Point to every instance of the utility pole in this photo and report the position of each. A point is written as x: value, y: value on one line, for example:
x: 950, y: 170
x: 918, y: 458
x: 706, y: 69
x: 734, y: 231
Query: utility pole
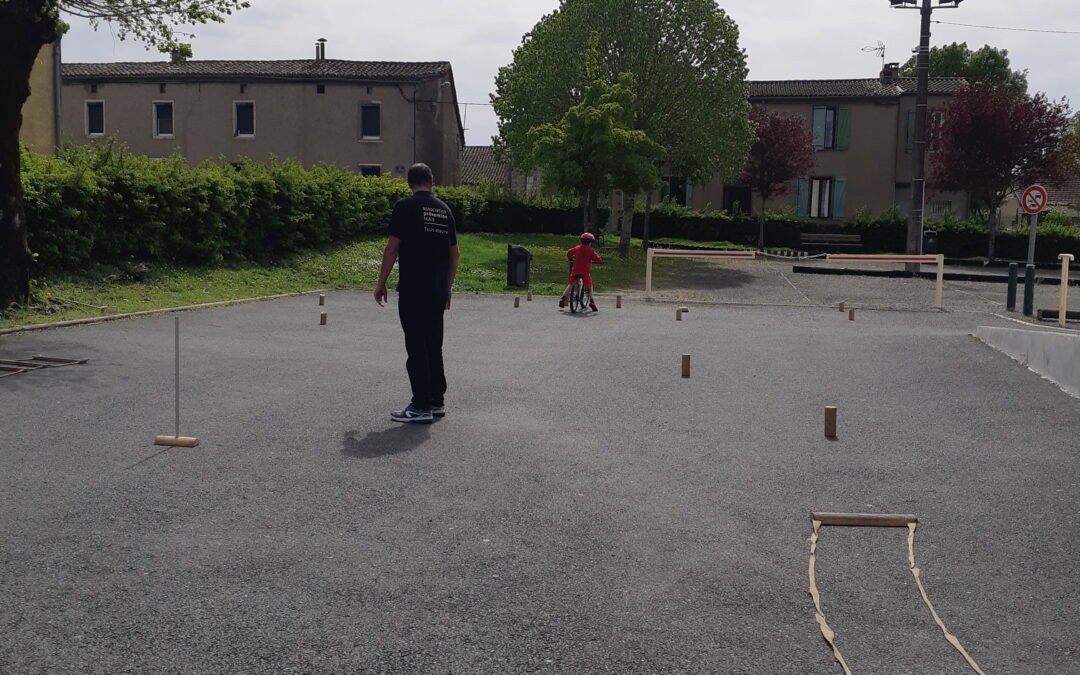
x: 922, y: 87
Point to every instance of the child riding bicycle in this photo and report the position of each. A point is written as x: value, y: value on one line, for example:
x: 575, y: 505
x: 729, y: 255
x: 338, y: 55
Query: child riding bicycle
x: 582, y: 258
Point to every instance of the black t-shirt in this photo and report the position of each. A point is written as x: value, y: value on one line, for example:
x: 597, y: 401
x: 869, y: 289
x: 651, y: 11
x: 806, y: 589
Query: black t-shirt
x: 426, y: 228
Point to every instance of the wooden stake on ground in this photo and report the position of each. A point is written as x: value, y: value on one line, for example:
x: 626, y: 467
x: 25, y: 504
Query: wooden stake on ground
x: 864, y: 519
x: 322, y: 299
x: 686, y: 365
x: 618, y: 302
x: 841, y: 306
x: 176, y: 441
x: 517, y: 301
x: 529, y: 296
x: 678, y: 314
x: 322, y: 318
x: 851, y: 315
x: 685, y: 309
x: 830, y: 421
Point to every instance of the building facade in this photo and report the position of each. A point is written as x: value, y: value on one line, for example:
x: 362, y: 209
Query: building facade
x: 371, y: 117
x: 41, y: 114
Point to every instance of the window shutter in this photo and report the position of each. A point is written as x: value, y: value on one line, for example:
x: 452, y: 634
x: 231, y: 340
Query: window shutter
x: 689, y: 194
x: 839, y: 190
x: 819, y: 128
x: 802, y: 188
x: 843, y: 128
x: 910, y: 142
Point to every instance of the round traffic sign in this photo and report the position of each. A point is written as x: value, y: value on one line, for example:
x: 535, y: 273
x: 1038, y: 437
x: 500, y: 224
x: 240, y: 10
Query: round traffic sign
x: 1034, y: 199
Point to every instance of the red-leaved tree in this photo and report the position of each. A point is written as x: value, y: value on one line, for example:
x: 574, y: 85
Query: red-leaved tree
x: 783, y: 149
x: 995, y: 140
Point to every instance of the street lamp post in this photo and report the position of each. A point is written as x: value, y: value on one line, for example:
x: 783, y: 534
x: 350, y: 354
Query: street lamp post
x: 922, y: 86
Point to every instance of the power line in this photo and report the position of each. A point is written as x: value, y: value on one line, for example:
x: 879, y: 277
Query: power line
x: 1021, y: 30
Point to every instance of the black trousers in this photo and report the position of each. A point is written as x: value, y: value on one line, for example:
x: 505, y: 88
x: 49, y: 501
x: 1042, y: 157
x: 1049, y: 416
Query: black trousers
x: 422, y: 322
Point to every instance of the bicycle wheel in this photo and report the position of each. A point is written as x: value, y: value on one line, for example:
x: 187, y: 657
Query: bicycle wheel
x: 575, y: 295
x: 586, y: 297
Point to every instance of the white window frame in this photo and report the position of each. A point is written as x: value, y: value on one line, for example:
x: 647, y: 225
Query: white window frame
x: 361, y: 167
x: 820, y: 197
x: 360, y: 123
x: 154, y: 118
x: 254, y: 126
x: 86, y: 117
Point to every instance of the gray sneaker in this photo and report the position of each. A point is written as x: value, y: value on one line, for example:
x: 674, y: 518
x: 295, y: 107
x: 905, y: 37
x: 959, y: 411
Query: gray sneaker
x: 438, y: 411
x: 412, y: 414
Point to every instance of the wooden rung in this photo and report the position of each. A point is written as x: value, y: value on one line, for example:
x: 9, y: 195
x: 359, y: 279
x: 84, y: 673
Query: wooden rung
x: 176, y: 441
x: 53, y: 359
x: 21, y: 364
x: 864, y: 519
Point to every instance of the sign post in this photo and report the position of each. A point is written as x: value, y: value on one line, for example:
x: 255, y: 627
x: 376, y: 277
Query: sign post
x: 1033, y: 201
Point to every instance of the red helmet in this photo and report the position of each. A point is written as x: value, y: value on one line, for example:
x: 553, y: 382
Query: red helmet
x: 588, y: 236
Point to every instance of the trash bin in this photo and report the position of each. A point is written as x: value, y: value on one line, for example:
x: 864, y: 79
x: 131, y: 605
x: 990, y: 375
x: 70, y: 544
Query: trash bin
x: 517, y: 266
x: 929, y: 242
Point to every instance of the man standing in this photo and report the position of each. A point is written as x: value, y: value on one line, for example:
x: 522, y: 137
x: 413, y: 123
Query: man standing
x: 423, y: 240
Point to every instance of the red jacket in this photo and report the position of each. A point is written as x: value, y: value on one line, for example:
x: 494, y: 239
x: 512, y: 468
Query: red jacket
x: 583, y: 257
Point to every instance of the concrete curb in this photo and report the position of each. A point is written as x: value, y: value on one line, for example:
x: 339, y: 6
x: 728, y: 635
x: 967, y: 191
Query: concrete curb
x: 1055, y: 356
x: 148, y: 312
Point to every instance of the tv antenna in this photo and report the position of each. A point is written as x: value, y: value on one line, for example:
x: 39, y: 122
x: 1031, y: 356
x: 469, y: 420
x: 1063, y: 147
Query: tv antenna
x: 879, y: 50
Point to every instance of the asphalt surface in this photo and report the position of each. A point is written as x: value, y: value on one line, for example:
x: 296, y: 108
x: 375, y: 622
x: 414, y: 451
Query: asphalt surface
x: 582, y: 508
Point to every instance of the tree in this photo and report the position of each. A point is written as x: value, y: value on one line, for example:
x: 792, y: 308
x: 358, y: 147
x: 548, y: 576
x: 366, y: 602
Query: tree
x: 994, y: 140
x: 25, y: 27
x: 783, y: 149
x: 593, y: 149
x: 690, y: 79
x: 986, y: 65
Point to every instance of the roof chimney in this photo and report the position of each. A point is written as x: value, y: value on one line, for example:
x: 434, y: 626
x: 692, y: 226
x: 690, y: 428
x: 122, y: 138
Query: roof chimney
x: 320, y: 49
x: 890, y: 73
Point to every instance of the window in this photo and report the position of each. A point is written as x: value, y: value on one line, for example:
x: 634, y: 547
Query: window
x: 243, y: 89
x: 163, y: 119
x: 244, y: 119
x: 95, y: 118
x: 934, y: 126
x: 320, y: 89
x: 161, y: 88
x: 93, y: 89
x: 369, y: 90
x: 677, y: 189
x: 370, y: 169
x: 821, y: 197
x: 940, y: 209
x: 832, y: 127
x: 369, y: 121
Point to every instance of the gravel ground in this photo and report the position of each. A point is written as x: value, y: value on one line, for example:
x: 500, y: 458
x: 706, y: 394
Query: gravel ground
x: 582, y: 509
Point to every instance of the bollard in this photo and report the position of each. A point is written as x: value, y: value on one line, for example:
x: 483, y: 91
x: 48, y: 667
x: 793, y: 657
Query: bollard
x: 322, y: 299
x: 851, y: 315
x: 517, y: 301
x: 686, y: 365
x: 322, y: 318
x: 176, y: 440
x: 678, y: 314
x: 830, y: 421
x: 1010, y: 296
x: 841, y: 306
x: 529, y: 296
x: 618, y: 302
x: 1063, y: 290
x: 1029, y: 290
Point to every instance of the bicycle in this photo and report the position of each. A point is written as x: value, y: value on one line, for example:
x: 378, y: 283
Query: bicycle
x: 580, y: 294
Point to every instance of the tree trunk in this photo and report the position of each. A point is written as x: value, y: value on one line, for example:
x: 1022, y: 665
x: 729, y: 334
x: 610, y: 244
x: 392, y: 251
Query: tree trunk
x: 590, y: 212
x: 761, y: 223
x: 626, y: 224
x: 645, y: 220
x: 24, y: 29
x: 991, y: 229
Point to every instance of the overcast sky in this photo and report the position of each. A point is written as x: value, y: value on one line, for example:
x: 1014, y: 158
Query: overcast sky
x: 783, y: 39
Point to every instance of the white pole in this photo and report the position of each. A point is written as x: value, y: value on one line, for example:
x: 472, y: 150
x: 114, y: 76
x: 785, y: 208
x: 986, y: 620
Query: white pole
x: 1063, y: 292
x: 940, y: 281
x: 176, y: 320
x: 648, y: 274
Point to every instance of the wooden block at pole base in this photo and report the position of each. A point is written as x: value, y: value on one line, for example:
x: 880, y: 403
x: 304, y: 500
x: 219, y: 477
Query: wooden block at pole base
x: 618, y: 302
x: 678, y: 314
x: 529, y: 296
x: 851, y: 315
x: 322, y: 299
x: 830, y: 421
x: 864, y: 519
x: 841, y: 306
x: 176, y: 441
x: 322, y: 318
x: 686, y: 365
x: 685, y: 309
x: 517, y: 301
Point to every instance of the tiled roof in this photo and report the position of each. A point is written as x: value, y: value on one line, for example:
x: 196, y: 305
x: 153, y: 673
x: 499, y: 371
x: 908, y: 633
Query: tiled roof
x: 1064, y: 194
x: 306, y: 69
x: 867, y: 88
x: 478, y: 162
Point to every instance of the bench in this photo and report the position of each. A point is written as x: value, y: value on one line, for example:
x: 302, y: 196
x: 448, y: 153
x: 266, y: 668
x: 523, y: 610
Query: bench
x: 821, y: 240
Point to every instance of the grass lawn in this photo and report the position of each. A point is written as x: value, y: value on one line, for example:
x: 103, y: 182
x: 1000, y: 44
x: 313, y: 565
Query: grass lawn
x: 354, y: 265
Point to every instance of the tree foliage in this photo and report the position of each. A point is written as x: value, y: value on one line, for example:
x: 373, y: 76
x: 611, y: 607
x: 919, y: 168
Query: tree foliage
x: 783, y: 149
x: 592, y: 148
x: 986, y: 65
x: 690, y: 79
x: 995, y: 140
x: 25, y: 27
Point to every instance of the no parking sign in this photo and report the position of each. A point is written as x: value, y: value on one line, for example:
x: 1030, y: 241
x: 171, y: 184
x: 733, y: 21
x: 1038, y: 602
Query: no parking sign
x: 1034, y: 199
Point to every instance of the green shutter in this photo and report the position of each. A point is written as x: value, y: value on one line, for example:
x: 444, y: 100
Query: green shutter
x: 689, y: 194
x: 838, y: 194
x: 802, y: 196
x: 843, y: 128
x: 910, y: 142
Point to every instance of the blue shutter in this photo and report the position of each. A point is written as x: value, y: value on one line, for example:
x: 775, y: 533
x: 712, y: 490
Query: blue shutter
x: 819, y: 128
x: 802, y: 196
x: 839, y: 188
x: 689, y: 194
